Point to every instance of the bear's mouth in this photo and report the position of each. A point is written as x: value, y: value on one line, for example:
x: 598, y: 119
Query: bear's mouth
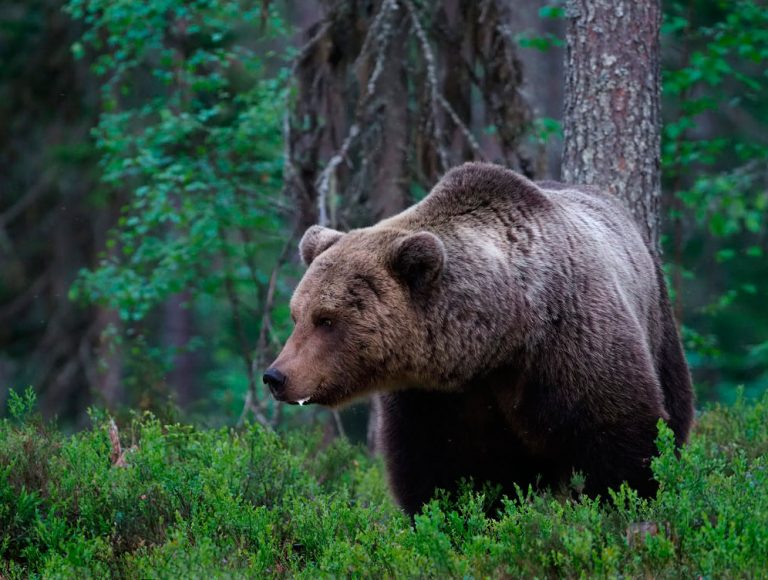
x: 301, y: 402
x: 325, y: 394
x: 318, y: 396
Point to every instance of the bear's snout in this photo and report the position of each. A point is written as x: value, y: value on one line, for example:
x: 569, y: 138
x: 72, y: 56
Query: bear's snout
x: 275, y: 380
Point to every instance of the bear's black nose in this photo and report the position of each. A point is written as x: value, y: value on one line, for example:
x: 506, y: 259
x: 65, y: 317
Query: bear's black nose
x: 275, y: 380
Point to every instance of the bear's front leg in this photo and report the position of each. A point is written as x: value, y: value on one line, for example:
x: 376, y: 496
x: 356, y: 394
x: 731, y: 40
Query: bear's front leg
x: 420, y: 438
x: 433, y: 440
x: 612, y: 454
x: 606, y: 452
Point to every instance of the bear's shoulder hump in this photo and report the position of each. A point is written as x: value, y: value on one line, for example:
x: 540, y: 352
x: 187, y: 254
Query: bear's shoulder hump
x: 473, y: 181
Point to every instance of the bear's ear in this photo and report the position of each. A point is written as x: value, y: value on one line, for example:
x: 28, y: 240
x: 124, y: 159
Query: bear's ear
x: 418, y: 259
x: 315, y: 241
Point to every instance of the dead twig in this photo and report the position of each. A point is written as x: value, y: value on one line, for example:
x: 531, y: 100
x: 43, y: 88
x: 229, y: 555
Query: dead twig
x: 310, y: 44
x: 463, y: 128
x: 269, y: 299
x: 252, y: 402
x: 33, y: 291
x: 383, y: 24
x: 637, y: 533
x: 251, y: 406
x: 87, y: 361
x: 117, y: 455
x: 339, y: 425
x: 26, y: 200
x: 380, y: 33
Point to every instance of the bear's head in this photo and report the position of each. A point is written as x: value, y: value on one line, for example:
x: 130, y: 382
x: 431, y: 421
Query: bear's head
x: 357, y: 313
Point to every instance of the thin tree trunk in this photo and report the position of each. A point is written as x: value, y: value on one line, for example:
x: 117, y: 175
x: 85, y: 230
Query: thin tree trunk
x: 612, y: 117
x: 178, y: 329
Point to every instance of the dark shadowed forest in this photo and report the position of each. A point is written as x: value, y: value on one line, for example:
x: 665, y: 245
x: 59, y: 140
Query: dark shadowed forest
x: 159, y: 162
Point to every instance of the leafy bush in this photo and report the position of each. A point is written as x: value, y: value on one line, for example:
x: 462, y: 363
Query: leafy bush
x: 183, y: 501
x: 190, y: 147
x: 715, y: 174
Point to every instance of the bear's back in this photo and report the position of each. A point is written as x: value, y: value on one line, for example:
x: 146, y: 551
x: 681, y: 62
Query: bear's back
x: 474, y: 191
x: 468, y: 194
x: 475, y: 186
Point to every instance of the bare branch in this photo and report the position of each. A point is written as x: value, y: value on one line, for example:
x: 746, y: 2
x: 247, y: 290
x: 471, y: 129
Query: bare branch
x: 379, y: 32
x: 269, y: 299
x: 382, y: 21
x: 329, y: 173
x: 289, y: 168
x: 257, y: 410
x: 86, y: 358
x: 310, y: 44
x: 252, y: 402
x: 463, y: 128
x: 26, y: 200
x: 339, y: 425
x: 435, y: 97
x: 21, y: 302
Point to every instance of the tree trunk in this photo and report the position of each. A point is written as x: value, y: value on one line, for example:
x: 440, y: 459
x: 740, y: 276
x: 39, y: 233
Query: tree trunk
x: 178, y: 330
x: 612, y: 117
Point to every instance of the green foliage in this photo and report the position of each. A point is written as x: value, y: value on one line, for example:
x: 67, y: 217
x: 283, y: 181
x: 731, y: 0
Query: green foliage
x: 546, y: 128
x: 546, y: 41
x: 714, y: 77
x: 198, y: 147
x: 714, y: 154
x: 190, y: 142
x: 21, y: 405
x: 247, y: 503
x: 541, y: 42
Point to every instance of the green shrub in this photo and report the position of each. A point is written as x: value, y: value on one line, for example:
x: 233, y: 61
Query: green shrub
x: 252, y: 503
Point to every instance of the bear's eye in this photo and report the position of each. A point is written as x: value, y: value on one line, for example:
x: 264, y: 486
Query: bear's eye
x: 324, y: 322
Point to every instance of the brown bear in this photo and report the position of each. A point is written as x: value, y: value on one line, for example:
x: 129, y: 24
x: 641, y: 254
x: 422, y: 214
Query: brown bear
x: 516, y: 332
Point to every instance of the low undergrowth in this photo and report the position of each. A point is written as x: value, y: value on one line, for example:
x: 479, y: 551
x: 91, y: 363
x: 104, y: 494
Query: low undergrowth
x: 181, y: 502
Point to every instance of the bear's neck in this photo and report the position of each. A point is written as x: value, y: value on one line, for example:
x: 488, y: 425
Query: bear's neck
x: 490, y: 303
x: 476, y: 323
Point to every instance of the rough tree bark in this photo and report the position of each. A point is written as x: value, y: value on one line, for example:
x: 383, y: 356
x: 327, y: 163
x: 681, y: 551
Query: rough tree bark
x: 382, y: 106
x: 612, y: 109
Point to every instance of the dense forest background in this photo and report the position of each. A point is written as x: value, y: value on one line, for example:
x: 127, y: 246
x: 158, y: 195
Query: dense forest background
x: 159, y: 159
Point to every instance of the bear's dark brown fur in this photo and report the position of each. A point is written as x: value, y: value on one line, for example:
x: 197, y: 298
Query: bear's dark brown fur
x: 515, y: 333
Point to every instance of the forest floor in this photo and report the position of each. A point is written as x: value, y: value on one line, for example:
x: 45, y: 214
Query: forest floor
x: 177, y: 501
